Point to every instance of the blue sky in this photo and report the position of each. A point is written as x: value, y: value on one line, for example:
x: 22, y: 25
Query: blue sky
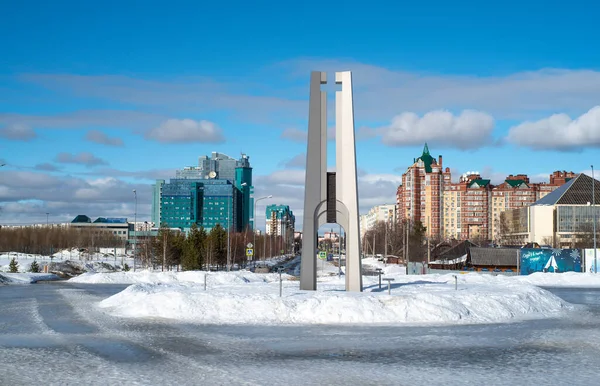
x: 100, y: 98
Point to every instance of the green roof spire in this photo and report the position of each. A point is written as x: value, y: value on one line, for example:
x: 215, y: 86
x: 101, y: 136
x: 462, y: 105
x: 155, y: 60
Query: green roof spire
x: 427, y: 159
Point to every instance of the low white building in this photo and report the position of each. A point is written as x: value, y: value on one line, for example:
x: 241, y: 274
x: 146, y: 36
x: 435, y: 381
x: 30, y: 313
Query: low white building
x: 559, y: 219
x: 118, y: 227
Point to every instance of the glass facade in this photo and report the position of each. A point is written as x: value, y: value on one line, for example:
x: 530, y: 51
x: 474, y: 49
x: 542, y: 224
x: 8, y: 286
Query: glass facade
x: 205, y: 203
x: 217, y: 191
x: 180, y: 203
x: 156, y: 199
x: 572, y: 218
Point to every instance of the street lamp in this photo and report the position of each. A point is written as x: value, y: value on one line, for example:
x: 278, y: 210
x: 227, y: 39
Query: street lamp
x: 594, y: 219
x: 254, y: 219
x: 134, y: 222
x: 228, y: 248
x: 47, y: 214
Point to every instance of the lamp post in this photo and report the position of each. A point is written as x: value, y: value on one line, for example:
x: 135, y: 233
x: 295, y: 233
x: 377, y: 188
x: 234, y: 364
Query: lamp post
x: 254, y: 219
x: 228, y: 245
x: 47, y: 214
x: 594, y: 219
x: 134, y: 233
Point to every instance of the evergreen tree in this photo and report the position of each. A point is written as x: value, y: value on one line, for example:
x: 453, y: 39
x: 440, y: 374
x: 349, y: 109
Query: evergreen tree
x: 125, y: 267
x: 218, y: 239
x: 13, y: 266
x: 176, y: 248
x: 193, y: 251
x: 34, y: 267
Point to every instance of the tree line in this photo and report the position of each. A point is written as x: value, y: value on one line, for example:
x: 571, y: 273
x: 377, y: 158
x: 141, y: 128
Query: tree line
x: 202, y: 250
x: 198, y: 249
x: 48, y: 240
x: 393, y: 238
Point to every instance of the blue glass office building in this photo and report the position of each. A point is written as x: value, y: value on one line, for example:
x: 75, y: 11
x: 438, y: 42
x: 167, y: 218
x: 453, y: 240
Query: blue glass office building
x: 218, y: 191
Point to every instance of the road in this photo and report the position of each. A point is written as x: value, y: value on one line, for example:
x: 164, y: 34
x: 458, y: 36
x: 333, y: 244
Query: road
x: 53, y: 334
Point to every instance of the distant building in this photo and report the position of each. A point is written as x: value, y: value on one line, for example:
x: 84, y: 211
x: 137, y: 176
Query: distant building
x: 466, y: 207
x: 156, y: 201
x: 385, y: 213
x: 118, y: 227
x: 205, y: 203
x: 280, y: 221
x: 517, y: 192
x: 419, y: 198
x: 217, y: 191
x: 559, y: 219
x: 469, y: 208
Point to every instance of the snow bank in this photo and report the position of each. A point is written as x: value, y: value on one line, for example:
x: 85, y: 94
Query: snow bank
x: 565, y: 279
x: 418, y: 301
x: 150, y: 277
x: 387, y: 269
x: 26, y: 278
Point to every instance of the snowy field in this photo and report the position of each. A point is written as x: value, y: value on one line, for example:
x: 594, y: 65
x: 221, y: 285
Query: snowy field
x: 247, y: 298
x: 94, y: 262
x: 243, y: 297
x: 25, y: 277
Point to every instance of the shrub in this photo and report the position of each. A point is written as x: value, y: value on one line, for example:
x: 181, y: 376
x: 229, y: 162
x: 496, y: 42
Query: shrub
x: 13, y: 266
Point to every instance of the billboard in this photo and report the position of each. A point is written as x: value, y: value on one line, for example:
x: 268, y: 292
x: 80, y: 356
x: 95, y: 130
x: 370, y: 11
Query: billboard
x: 550, y: 260
x: 590, y: 266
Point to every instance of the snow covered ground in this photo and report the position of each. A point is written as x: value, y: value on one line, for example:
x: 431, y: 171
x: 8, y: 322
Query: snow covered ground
x: 95, y: 262
x: 243, y: 297
x: 25, y: 278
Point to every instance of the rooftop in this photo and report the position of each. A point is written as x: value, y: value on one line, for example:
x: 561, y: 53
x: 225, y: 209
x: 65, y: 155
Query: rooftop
x: 577, y: 191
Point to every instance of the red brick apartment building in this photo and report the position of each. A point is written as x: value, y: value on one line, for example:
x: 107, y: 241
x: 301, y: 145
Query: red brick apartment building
x: 469, y: 208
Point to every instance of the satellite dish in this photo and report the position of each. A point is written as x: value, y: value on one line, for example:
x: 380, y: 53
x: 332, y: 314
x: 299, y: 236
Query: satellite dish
x: 212, y: 174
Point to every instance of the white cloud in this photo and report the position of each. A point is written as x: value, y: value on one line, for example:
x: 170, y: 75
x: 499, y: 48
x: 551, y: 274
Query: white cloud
x: 64, y: 197
x: 193, y: 94
x: 559, y: 131
x: 103, y: 139
x: 298, y: 161
x: 294, y: 135
x: 379, y: 92
x: 287, y: 188
x: 83, y: 158
x: 185, y: 131
x: 85, y: 119
x: 17, y: 131
x: 47, y: 167
x: 285, y: 177
x: 470, y: 129
x: 382, y: 91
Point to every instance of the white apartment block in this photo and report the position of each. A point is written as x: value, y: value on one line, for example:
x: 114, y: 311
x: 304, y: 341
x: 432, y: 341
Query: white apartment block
x: 385, y: 213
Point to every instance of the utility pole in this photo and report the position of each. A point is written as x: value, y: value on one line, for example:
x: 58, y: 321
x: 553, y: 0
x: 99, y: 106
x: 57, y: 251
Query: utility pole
x: 385, y: 242
x: 134, y: 231
x: 594, y: 219
x: 428, y: 238
x: 228, y: 229
x: 254, y: 224
x: 406, y: 244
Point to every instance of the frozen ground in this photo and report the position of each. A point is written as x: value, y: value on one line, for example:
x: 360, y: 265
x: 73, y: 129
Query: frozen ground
x: 54, y: 334
x: 95, y: 262
x: 243, y: 297
x: 25, y: 278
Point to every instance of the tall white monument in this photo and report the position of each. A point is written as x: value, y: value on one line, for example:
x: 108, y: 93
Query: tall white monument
x: 330, y: 197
